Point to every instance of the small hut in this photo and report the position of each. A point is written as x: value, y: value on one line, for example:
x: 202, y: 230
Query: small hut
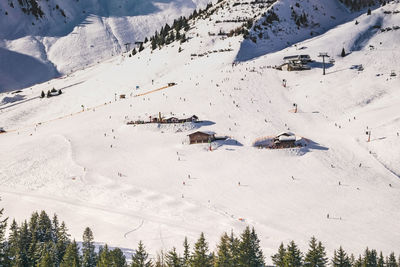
x: 201, y: 137
x: 285, y: 140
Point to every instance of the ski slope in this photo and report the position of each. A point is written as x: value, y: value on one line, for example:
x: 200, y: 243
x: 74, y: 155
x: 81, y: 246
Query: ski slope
x: 65, y: 158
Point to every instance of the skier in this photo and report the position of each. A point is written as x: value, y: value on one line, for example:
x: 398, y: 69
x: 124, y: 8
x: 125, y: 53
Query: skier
x: 327, y: 216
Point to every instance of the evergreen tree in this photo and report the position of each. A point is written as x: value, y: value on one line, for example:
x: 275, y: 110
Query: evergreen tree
x: 134, y: 51
x: 141, y: 47
x: 186, y: 254
x: 340, y: 258
x: 234, y: 248
x: 316, y: 255
x: 61, y: 241
x: 278, y: 258
x: 293, y: 257
x: 343, y: 54
x: 358, y: 262
x: 369, y: 12
x: 71, y: 257
x: 201, y: 256
x: 172, y: 259
x: 391, y: 261
x: 250, y: 254
x: 88, y: 249
x: 46, y: 261
x: 117, y: 258
x: 13, y: 241
x: 42, y: 95
x: 381, y: 260
x: 370, y: 258
x: 3, y: 246
x: 104, y: 257
x: 224, y: 256
x: 139, y: 259
x: 146, y: 40
x: 24, y: 241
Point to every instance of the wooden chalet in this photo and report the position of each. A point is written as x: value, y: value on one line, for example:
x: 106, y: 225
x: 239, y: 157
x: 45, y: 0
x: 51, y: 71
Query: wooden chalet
x: 171, y: 120
x: 201, y: 137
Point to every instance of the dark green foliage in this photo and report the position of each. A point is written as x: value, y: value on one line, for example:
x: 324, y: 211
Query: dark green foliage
x: 250, y: 251
x: 293, y: 257
x: 117, y: 258
x: 391, y: 261
x: 141, y: 47
x: 316, y: 255
x: 224, y: 256
x: 369, y: 12
x: 89, y: 257
x: 172, y: 259
x: 42, y: 95
x: 186, y: 253
x: 279, y: 258
x: 3, y: 246
x: 201, y: 256
x: 140, y: 258
x: 340, y: 258
x: 71, y: 257
x: 343, y: 54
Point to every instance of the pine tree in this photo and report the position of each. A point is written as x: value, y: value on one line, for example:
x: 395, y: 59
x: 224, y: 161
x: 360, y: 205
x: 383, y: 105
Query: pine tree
x: 104, y: 257
x: 24, y: 241
x: 89, y: 257
x: 118, y: 258
x: 3, y: 246
x: 62, y: 241
x: 340, y: 258
x: 141, y: 47
x: 140, y: 258
x: 234, y: 248
x: 391, y: 261
x: 278, y: 258
x: 71, y: 257
x: 343, y: 54
x: 381, y: 260
x: 13, y: 241
x: 46, y: 261
x: 293, y: 257
x: 224, y: 257
x: 201, y: 256
x: 358, y: 262
x: 186, y: 253
x: 250, y: 254
x: 42, y: 95
x: 370, y: 258
x: 369, y: 12
x: 172, y: 258
x: 316, y: 255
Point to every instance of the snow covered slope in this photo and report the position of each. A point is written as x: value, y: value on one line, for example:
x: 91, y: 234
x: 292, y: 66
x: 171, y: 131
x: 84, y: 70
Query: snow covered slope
x: 59, y: 158
x: 64, y: 36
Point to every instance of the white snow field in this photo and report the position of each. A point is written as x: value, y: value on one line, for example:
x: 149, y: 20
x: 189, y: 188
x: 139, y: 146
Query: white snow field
x: 34, y: 50
x: 61, y: 159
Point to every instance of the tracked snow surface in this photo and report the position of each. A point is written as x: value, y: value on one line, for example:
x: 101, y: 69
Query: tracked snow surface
x: 75, y: 155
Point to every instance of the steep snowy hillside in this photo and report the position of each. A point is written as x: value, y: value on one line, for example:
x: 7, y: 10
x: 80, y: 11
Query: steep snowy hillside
x: 52, y: 38
x: 75, y: 154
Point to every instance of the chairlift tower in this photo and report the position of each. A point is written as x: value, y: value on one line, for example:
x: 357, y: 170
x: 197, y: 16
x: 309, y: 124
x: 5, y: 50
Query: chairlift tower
x: 323, y: 55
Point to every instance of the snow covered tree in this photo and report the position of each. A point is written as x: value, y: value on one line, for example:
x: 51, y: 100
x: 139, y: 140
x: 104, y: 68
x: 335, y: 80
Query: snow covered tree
x: 279, y: 258
x: 316, y: 255
x: 340, y: 258
x: 71, y: 257
x: 89, y: 257
x: 140, y: 258
x: 172, y: 258
x: 293, y: 257
x: 250, y: 254
x: 201, y: 257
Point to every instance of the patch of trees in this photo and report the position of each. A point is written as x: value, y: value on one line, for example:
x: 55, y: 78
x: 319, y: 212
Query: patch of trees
x: 44, y: 242
x: 356, y: 5
x: 270, y: 17
x: 300, y: 20
x: 31, y: 7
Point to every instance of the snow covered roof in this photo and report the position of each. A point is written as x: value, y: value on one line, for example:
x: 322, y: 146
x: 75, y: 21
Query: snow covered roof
x: 204, y: 132
x: 285, y: 134
x: 287, y: 138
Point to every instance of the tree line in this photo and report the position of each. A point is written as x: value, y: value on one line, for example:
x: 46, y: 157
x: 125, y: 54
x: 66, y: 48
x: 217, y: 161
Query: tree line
x: 42, y: 241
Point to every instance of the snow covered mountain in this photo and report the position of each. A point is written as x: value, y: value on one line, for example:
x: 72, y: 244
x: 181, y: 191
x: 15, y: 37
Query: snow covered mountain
x: 75, y: 154
x: 54, y: 38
